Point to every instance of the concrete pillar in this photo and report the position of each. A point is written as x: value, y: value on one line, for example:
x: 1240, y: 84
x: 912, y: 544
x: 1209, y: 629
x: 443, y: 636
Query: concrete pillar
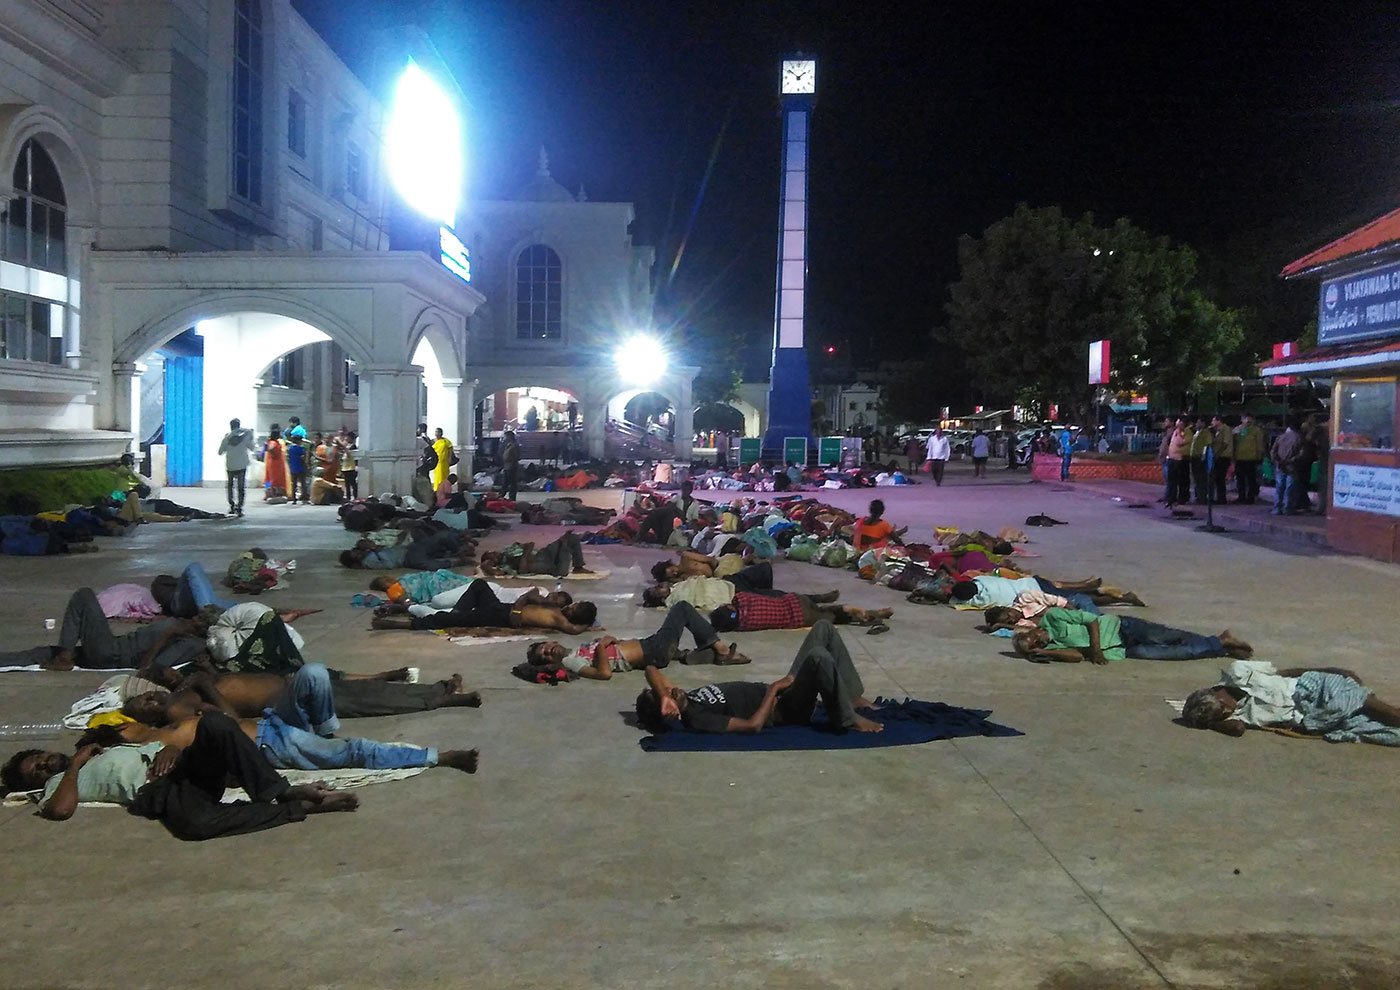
x: 388, y: 406
x: 595, y: 418
x: 466, y: 424
x: 126, y: 396
x: 685, y: 421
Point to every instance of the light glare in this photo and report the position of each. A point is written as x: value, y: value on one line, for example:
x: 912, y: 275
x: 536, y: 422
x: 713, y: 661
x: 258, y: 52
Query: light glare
x: 641, y: 360
x: 424, y: 146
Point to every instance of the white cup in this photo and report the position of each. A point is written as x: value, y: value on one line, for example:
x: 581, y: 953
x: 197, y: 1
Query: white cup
x: 50, y: 624
x: 412, y: 675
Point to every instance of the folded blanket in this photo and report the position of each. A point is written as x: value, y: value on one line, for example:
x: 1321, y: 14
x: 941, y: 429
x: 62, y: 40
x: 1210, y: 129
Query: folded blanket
x: 338, y: 779
x: 906, y: 722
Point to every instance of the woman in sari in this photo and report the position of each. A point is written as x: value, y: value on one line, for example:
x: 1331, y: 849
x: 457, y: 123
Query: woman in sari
x: 443, y: 447
x: 276, y: 481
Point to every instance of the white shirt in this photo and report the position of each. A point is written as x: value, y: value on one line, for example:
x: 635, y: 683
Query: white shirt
x: 1268, y: 695
x: 993, y: 590
x: 938, y: 447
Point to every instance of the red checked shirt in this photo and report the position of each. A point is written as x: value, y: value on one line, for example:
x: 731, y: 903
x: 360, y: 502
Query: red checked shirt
x: 764, y: 612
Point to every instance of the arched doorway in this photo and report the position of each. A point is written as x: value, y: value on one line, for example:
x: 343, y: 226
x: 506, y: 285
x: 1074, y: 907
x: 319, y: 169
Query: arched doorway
x: 548, y: 422
x: 641, y: 424
x: 258, y: 367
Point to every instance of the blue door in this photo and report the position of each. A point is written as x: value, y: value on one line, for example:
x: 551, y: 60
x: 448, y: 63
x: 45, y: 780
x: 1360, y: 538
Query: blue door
x: 184, y: 420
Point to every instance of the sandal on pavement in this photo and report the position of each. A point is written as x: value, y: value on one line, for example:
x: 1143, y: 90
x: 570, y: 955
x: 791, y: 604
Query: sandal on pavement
x: 877, y: 629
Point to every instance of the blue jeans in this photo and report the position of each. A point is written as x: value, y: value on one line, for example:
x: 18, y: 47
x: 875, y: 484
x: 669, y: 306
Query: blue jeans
x: 194, y: 591
x: 1083, y: 602
x: 1285, y: 491
x: 1145, y: 640
x: 308, y: 702
x: 1064, y: 466
x: 289, y: 748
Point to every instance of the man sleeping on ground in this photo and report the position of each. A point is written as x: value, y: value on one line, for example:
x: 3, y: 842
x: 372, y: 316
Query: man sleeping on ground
x: 425, y: 592
x: 181, y: 788
x: 312, y: 698
x: 1326, y: 701
x: 987, y: 590
x: 822, y: 670
x: 289, y: 747
x: 602, y: 658
x: 750, y: 612
x: 479, y: 607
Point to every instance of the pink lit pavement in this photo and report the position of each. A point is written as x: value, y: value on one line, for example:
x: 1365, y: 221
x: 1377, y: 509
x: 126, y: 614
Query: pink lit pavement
x: 1106, y: 848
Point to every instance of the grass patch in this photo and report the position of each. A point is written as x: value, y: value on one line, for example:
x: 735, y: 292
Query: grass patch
x: 55, y: 488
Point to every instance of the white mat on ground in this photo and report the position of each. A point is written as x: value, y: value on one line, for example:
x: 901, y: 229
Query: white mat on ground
x: 547, y: 578
x: 485, y: 640
x: 339, y: 779
x: 75, y: 670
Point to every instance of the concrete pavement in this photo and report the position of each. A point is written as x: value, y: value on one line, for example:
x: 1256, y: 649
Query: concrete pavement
x: 1107, y: 848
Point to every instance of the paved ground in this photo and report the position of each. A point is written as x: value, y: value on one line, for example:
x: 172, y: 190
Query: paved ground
x: 1107, y: 848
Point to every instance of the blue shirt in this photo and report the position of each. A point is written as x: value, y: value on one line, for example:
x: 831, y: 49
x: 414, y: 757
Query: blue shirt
x: 1066, y: 443
x: 296, y: 458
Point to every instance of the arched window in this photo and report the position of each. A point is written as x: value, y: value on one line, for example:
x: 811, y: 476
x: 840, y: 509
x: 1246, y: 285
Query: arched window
x: 539, y: 310
x: 248, y: 100
x: 36, y: 218
x: 32, y: 310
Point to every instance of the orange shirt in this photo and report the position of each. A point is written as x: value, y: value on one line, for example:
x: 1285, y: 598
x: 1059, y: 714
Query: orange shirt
x: 872, y: 535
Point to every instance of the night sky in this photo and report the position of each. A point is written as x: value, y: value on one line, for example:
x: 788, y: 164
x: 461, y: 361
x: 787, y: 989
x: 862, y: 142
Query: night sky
x: 1275, y: 126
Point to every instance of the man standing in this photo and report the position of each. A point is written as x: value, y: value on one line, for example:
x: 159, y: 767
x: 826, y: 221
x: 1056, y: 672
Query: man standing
x: 1249, y: 451
x: 1287, y: 455
x: 427, y: 462
x: 236, y: 447
x: 296, y: 469
x: 1224, y: 447
x: 939, y: 450
x: 981, y: 450
x: 1066, y: 452
x: 510, y: 461
x: 1200, y: 441
x: 443, y: 448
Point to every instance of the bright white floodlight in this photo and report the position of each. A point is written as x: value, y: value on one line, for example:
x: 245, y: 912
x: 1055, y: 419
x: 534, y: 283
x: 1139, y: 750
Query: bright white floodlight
x: 640, y: 360
x: 424, y: 146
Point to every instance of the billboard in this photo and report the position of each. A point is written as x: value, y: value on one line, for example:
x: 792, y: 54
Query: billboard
x: 1361, y: 306
x: 1098, y: 362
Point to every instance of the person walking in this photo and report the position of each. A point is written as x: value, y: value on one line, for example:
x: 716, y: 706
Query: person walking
x: 510, y: 462
x: 237, y: 448
x: 981, y: 450
x: 1249, y: 451
x: 939, y: 450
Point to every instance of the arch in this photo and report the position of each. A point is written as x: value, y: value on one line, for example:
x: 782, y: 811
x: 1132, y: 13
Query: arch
x: 539, y: 268
x: 618, y: 401
x: 431, y: 325
x: 153, y: 333
x: 19, y: 124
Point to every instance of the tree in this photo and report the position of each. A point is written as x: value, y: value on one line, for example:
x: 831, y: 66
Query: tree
x: 918, y: 390
x: 1037, y: 287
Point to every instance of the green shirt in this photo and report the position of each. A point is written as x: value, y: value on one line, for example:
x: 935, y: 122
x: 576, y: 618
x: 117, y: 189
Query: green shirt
x: 1069, y: 630
x: 114, y: 775
x: 1199, y: 442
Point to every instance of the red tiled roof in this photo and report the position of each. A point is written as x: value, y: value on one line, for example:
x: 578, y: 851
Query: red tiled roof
x: 1378, y: 233
x: 1338, y: 357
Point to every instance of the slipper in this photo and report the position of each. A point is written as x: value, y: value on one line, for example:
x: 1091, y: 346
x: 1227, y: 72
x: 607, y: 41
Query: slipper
x: 734, y: 659
x: 877, y: 629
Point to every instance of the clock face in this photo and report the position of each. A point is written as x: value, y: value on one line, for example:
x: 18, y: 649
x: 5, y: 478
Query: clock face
x: 799, y: 76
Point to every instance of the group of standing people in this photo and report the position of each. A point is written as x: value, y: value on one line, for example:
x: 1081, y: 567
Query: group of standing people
x: 1198, y: 455
x: 296, y: 467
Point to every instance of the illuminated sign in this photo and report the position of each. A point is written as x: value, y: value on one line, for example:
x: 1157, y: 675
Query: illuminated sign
x: 1360, y: 306
x: 1098, y: 362
x: 455, y: 256
x: 423, y: 146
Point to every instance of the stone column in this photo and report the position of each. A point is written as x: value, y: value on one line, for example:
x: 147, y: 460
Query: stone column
x: 685, y: 421
x: 466, y: 425
x: 595, y: 418
x: 388, y: 406
x: 126, y: 396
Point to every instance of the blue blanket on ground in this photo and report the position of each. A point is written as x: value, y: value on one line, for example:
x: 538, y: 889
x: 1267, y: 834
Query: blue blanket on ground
x: 906, y: 722
x: 1330, y: 705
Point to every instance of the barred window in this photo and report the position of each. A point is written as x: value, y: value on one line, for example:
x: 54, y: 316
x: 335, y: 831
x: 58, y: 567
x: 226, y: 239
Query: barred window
x: 30, y: 329
x: 539, y: 294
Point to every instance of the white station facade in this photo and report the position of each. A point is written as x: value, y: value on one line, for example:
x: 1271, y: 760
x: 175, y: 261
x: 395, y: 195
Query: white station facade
x: 200, y: 224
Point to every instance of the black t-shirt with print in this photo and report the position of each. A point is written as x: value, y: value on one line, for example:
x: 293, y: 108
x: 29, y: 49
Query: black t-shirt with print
x: 711, y: 707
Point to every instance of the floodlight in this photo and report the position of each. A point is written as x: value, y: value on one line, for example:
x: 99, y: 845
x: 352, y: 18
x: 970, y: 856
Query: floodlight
x: 424, y: 146
x: 640, y: 360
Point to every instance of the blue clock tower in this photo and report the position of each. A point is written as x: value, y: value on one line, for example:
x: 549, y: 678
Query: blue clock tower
x: 790, y: 388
